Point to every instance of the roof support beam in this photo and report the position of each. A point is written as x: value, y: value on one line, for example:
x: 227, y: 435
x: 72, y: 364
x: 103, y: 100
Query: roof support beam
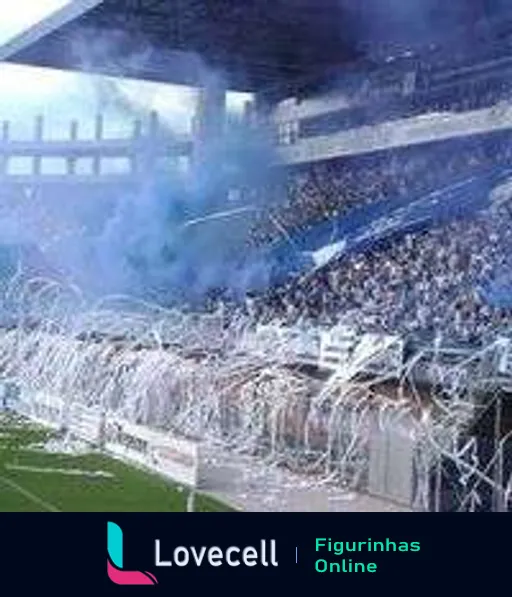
x: 53, y: 22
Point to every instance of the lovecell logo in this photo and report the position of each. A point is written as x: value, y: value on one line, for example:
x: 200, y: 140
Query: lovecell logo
x: 115, y: 561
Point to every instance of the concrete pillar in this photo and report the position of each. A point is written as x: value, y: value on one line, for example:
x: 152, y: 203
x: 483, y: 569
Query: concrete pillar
x: 210, y: 117
x: 4, y: 158
x: 261, y: 115
x: 39, y: 132
x: 145, y: 160
x: 249, y: 116
x: 71, y: 160
x: 134, y: 157
x: 152, y: 150
x: 96, y: 166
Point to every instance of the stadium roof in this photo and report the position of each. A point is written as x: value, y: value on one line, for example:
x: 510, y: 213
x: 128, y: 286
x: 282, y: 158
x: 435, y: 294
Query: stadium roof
x: 256, y: 44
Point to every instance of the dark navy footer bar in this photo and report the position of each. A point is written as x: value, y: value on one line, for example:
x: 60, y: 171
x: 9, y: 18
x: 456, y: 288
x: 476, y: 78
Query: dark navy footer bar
x: 237, y: 553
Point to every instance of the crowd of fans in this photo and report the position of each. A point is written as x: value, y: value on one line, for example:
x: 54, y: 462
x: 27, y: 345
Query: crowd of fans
x: 326, y: 190
x: 427, y: 283
x: 431, y: 282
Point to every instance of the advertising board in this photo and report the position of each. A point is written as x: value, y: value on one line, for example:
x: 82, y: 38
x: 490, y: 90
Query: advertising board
x: 84, y: 422
x: 173, y: 457
x: 41, y: 407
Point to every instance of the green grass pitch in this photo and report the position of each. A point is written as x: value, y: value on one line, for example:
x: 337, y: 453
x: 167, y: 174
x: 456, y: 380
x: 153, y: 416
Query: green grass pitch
x: 127, y: 490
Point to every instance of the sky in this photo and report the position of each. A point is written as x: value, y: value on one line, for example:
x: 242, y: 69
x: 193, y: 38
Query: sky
x: 63, y: 96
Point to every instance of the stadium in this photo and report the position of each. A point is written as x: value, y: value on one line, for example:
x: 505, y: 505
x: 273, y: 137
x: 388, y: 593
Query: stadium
x: 288, y: 288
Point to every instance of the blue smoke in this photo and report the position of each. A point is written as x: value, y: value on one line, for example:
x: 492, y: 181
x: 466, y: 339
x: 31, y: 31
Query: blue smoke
x: 185, y: 243
x: 183, y: 234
